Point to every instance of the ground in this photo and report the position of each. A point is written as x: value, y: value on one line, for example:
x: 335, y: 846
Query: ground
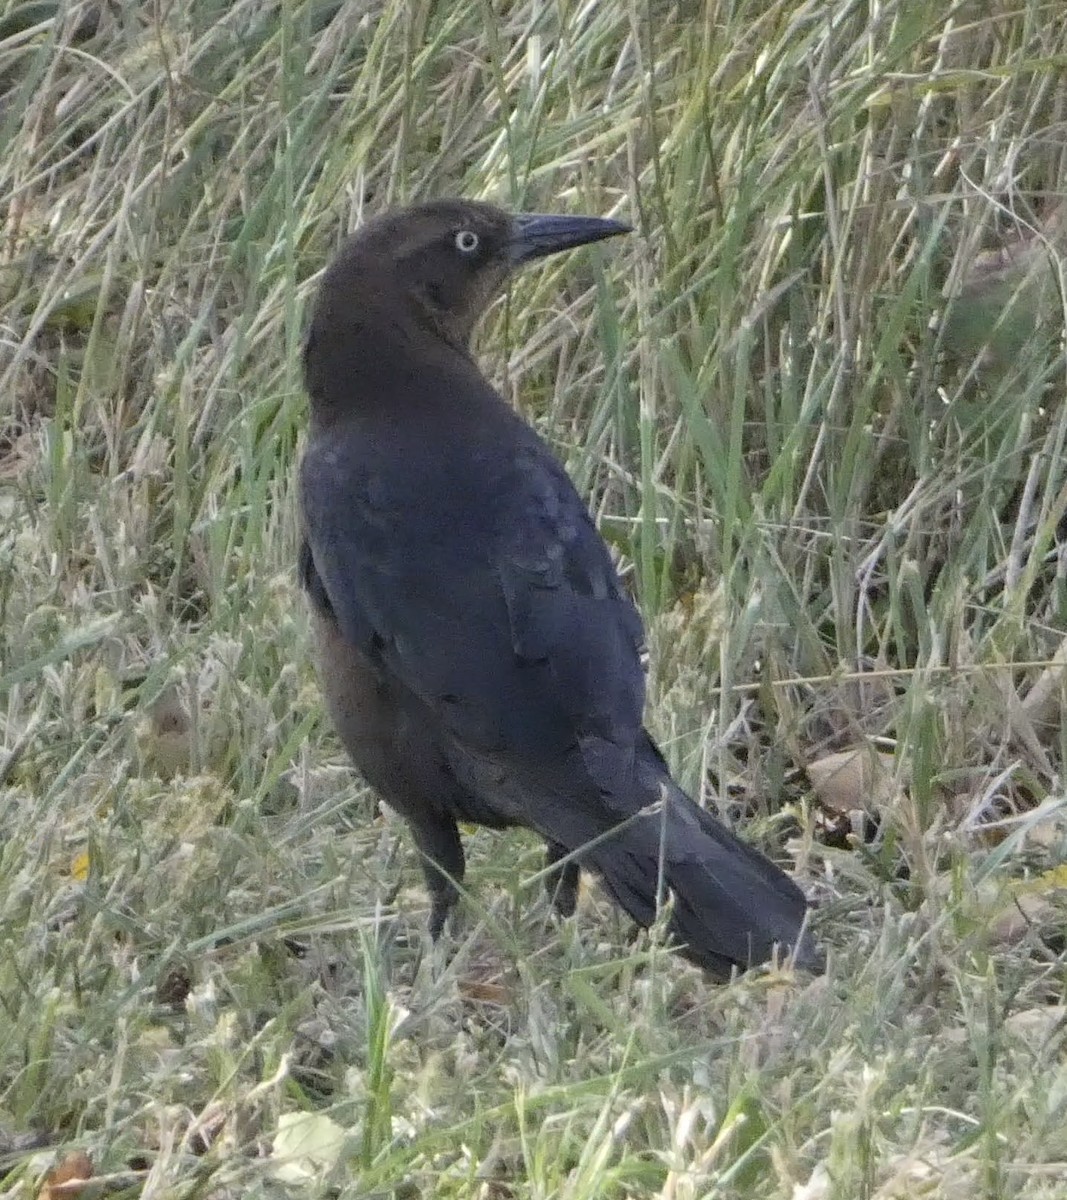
x: 817, y: 404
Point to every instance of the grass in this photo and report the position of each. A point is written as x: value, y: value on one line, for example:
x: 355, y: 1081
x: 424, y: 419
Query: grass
x: 818, y: 406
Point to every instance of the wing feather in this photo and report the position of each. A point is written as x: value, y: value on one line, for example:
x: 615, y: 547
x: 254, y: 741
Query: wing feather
x: 503, y: 613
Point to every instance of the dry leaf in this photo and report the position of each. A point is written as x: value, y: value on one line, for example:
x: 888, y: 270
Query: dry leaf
x: 68, y: 1177
x: 1049, y: 833
x: 1019, y: 916
x: 306, y: 1146
x: 817, y: 1187
x: 1036, y: 1026
x: 859, y: 779
x: 485, y: 992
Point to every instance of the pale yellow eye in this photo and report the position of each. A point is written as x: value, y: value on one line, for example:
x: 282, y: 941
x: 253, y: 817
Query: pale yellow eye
x: 466, y: 241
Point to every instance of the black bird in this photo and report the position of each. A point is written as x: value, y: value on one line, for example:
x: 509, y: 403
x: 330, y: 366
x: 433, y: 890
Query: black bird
x: 479, y: 656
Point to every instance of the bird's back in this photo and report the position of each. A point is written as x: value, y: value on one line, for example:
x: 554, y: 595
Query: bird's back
x: 461, y: 541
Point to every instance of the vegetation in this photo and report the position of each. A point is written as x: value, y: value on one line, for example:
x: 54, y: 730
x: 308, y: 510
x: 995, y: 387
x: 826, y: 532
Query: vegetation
x: 818, y: 405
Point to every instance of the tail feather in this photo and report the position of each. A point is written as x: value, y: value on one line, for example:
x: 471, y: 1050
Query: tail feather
x: 731, y: 905
x: 629, y: 822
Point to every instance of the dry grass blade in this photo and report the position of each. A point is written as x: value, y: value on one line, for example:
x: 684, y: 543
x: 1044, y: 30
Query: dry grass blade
x: 819, y: 408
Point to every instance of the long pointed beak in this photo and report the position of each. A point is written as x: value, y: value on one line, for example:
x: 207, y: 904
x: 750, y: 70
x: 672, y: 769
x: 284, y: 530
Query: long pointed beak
x: 534, y: 235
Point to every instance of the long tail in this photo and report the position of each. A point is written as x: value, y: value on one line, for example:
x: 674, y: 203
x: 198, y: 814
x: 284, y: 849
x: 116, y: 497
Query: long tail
x: 629, y: 822
x: 732, y: 906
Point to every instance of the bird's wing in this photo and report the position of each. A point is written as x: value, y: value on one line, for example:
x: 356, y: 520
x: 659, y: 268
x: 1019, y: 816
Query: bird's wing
x: 490, y: 595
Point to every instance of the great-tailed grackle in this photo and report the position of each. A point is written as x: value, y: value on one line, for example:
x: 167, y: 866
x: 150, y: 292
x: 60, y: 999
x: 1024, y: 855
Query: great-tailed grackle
x: 478, y: 654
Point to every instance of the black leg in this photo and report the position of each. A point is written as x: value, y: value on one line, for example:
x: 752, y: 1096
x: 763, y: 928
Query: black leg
x: 562, y: 885
x: 437, y: 839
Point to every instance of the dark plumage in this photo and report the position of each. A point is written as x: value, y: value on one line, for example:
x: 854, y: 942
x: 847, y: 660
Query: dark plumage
x: 479, y: 656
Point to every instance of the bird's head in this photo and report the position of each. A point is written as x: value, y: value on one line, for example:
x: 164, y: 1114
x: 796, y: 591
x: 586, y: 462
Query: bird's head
x: 449, y: 258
